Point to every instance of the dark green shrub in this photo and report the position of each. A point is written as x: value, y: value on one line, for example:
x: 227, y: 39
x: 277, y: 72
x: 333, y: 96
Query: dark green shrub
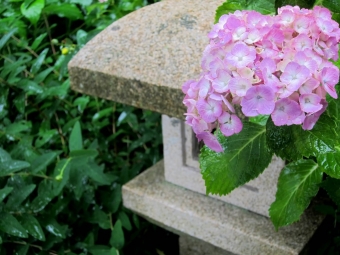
x: 64, y: 156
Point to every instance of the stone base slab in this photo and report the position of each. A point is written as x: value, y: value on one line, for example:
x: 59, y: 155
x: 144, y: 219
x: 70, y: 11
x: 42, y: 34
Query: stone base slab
x: 191, y: 246
x: 213, y: 221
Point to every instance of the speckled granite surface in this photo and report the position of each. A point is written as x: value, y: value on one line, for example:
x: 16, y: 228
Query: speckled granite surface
x: 144, y: 58
x: 218, y: 223
x: 191, y: 246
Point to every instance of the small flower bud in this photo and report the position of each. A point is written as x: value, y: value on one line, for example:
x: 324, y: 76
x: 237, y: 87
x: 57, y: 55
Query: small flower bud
x: 55, y: 41
x: 64, y: 51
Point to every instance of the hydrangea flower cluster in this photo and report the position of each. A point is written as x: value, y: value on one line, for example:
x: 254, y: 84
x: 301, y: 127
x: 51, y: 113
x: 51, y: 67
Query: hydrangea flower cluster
x: 269, y: 65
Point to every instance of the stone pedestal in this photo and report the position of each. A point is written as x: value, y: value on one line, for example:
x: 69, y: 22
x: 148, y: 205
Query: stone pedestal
x: 142, y: 60
x: 213, y: 221
x: 189, y: 245
x: 182, y: 168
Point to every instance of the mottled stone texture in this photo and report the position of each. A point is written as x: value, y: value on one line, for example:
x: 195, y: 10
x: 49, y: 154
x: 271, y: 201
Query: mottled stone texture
x: 144, y: 58
x: 218, y: 223
x: 192, y: 246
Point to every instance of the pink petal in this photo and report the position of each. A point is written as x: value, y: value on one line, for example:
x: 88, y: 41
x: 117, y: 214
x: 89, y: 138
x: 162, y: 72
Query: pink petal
x: 209, y: 109
x: 230, y: 124
x: 204, y: 87
x: 210, y: 140
x: 310, y: 103
x: 239, y: 86
x: 309, y: 86
x: 310, y: 120
x: 285, y: 111
x: 258, y: 100
x: 220, y: 84
x: 329, y: 78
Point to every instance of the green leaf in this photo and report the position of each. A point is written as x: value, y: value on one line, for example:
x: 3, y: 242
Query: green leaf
x: 108, y: 112
x: 29, y: 86
x: 81, y: 158
x: 4, y: 156
x: 76, y: 140
x: 37, y: 41
x: 81, y: 103
x: 66, y: 10
x: 22, y: 250
x: 333, y: 109
x: 330, y: 163
x: 32, y: 226
x: 55, y: 228
x: 19, y: 102
x: 18, y: 195
x: 114, y: 251
x: 281, y: 141
x: 112, y: 200
x: 44, y: 137
x: 81, y: 38
x: 4, y: 192
x: 136, y: 220
x: 18, y: 127
x: 332, y: 186
x: 42, y: 76
x: 298, y: 184
x: 59, y: 91
x: 117, y: 235
x: 39, y: 61
x: 32, y: 11
x: 101, y: 218
x: 12, y: 166
x: 83, y: 154
x: 244, y: 158
x: 99, y: 250
x: 45, y: 195
x: 78, y: 181
x: 95, y: 172
x: 81, y: 2
x: 301, y: 3
x: 320, y: 140
x: 6, y: 37
x: 42, y: 161
x: 260, y: 119
x: 229, y: 6
x: 10, y: 225
x: 122, y: 216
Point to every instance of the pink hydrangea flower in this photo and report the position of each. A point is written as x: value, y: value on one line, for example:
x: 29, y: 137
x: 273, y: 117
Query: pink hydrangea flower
x: 258, y: 100
x: 273, y: 65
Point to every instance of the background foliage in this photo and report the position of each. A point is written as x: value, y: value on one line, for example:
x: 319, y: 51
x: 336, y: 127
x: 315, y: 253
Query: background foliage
x: 65, y: 156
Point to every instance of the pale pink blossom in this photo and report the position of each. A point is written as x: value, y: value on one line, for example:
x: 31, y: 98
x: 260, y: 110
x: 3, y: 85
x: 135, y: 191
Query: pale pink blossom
x: 274, y: 65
